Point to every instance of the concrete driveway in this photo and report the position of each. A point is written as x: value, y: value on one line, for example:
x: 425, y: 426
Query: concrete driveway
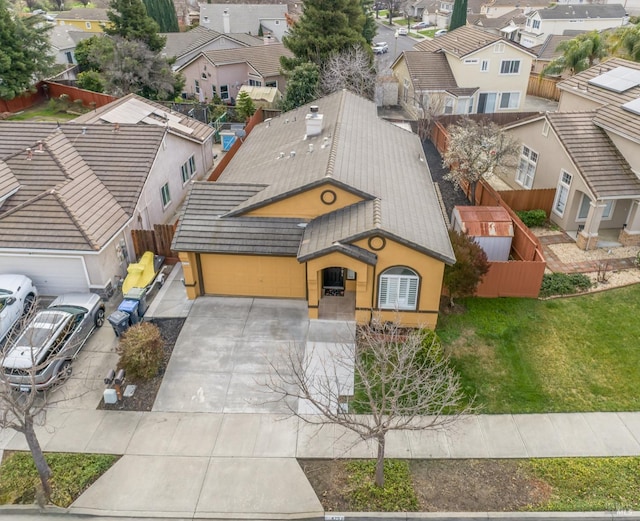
x: 221, y: 359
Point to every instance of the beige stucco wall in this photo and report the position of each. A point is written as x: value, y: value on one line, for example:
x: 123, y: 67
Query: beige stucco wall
x: 572, y: 102
x: 629, y: 149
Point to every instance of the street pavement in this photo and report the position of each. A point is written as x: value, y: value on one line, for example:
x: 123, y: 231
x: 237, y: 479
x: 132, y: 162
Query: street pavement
x: 229, y: 463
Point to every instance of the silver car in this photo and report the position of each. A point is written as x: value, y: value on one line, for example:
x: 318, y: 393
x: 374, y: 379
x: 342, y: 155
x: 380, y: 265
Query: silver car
x: 42, y: 354
x: 17, y: 295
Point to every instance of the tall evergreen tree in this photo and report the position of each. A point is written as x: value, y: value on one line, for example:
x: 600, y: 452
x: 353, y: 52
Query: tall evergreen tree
x: 459, y: 15
x: 164, y: 13
x: 131, y: 21
x: 325, y: 27
x: 25, y: 52
x: 302, y: 86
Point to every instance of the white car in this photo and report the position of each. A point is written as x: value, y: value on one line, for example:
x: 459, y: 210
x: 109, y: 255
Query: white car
x: 440, y: 32
x: 403, y: 31
x: 380, y: 48
x: 17, y: 295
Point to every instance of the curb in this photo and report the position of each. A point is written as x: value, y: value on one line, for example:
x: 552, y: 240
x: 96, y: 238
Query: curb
x: 630, y: 515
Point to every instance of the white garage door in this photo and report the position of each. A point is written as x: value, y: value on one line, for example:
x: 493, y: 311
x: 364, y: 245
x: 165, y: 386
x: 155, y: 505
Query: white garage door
x: 51, y: 275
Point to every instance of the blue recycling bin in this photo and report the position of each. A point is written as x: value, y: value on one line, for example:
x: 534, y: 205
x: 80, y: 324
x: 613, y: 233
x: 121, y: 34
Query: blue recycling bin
x: 130, y: 306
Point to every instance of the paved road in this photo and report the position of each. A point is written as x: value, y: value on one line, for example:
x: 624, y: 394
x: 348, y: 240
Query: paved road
x: 396, y: 46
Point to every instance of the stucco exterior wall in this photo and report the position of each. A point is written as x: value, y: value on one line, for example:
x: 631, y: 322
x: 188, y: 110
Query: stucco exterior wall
x: 309, y: 204
x: 89, y: 26
x: 253, y: 275
x: 570, y: 102
x: 629, y: 149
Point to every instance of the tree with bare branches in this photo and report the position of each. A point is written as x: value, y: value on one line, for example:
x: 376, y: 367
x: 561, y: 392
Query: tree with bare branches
x: 403, y: 381
x: 476, y: 150
x: 352, y: 70
x: 428, y: 108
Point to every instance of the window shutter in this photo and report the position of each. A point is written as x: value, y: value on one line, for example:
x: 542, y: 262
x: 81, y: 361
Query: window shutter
x: 412, y: 297
x: 384, y: 292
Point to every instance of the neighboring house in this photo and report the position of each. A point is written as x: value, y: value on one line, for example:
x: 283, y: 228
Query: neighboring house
x: 63, y: 40
x: 223, y: 72
x: 88, y: 19
x: 325, y: 202
x: 548, y: 51
x: 590, y: 152
x: 499, y: 8
x: 467, y: 70
x: 250, y: 18
x: 573, y: 17
x: 187, y: 45
x: 72, y: 193
x: 435, y: 12
x: 507, y: 26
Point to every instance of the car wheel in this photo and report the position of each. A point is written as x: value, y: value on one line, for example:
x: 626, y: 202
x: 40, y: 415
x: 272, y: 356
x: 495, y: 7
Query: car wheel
x: 99, y: 320
x: 28, y: 303
x: 65, y: 371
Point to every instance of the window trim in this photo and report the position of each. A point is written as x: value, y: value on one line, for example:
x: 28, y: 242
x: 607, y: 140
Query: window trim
x: 564, y: 187
x: 606, y: 216
x: 510, y: 66
x: 165, y: 193
x: 224, y: 95
x: 484, y: 66
x: 498, y: 48
x: 411, y: 292
x: 545, y: 128
x: 522, y: 174
x: 509, y: 95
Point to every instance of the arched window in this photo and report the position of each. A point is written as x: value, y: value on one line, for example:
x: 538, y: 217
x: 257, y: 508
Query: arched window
x: 398, y: 289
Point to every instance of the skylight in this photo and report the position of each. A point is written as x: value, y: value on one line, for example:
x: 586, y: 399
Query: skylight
x: 617, y: 80
x: 633, y: 106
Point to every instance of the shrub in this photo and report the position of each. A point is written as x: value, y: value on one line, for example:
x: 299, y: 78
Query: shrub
x: 140, y: 351
x: 564, y: 284
x: 533, y: 218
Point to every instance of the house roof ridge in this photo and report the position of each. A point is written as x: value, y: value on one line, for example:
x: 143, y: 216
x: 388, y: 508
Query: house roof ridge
x: 75, y: 219
x: 333, y: 153
x: 25, y: 203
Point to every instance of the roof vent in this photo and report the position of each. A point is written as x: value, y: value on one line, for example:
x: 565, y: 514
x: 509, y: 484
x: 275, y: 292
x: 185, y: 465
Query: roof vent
x: 314, y: 122
x: 325, y: 142
x: 29, y: 154
x: 314, y: 109
x: 292, y: 154
x: 281, y: 156
x: 310, y: 147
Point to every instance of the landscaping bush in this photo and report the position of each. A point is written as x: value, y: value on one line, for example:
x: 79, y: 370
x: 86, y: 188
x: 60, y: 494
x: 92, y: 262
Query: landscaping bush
x: 532, y: 218
x: 564, y: 284
x: 140, y: 351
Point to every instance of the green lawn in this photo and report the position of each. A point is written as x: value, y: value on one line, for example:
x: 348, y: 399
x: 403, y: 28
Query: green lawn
x: 429, y: 33
x: 525, y: 355
x: 42, y: 113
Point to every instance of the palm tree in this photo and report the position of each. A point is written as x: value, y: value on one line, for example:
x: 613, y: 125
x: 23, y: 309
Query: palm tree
x: 578, y: 54
x: 625, y: 42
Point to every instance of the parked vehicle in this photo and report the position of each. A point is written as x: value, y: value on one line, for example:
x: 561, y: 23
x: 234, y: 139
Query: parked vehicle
x: 440, y: 32
x: 421, y: 25
x: 380, y: 48
x: 17, y: 295
x: 42, y: 354
x: 403, y: 31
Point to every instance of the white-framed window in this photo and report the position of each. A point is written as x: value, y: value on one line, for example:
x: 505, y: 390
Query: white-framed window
x: 214, y: 91
x: 509, y: 100
x: 527, y: 167
x: 166, y: 195
x: 205, y: 19
x: 585, y: 203
x: 196, y: 86
x: 562, y: 193
x: 536, y: 24
x: 398, y: 289
x: 510, y: 67
x: 271, y: 84
x: 277, y: 22
x: 405, y: 90
x: 87, y: 25
x: 203, y: 76
x: 498, y: 48
x: 448, y: 105
x: 255, y: 83
x: 484, y: 66
x: 545, y: 128
x: 224, y: 92
x: 188, y: 169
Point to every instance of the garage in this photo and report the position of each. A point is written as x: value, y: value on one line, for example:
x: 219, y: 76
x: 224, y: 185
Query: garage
x: 253, y: 275
x: 51, y: 274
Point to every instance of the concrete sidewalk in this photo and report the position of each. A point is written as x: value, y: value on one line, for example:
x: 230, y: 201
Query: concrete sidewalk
x: 235, y: 465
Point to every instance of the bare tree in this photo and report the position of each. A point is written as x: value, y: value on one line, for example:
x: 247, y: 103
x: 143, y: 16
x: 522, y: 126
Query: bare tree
x: 476, y: 150
x: 352, y: 70
x: 429, y: 107
x: 403, y: 382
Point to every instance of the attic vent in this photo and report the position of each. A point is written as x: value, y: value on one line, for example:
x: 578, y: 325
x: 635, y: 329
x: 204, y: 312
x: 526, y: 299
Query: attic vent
x: 314, y: 109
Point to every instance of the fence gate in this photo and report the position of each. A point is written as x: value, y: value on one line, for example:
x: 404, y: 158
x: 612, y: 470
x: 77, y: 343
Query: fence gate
x: 157, y: 240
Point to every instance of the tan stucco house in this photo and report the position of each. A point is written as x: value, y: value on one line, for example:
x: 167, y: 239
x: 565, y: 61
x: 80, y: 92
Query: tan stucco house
x: 466, y: 71
x: 324, y: 202
x: 589, y: 151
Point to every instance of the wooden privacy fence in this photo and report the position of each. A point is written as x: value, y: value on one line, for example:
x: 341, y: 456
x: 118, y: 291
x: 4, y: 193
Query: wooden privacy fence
x: 228, y: 156
x: 538, y: 199
x: 49, y: 89
x: 157, y: 240
x: 543, y: 87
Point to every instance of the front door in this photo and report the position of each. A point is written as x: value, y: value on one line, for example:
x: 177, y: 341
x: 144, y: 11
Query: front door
x: 333, y: 278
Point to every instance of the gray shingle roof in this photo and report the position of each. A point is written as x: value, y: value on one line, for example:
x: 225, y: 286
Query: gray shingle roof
x: 84, y: 13
x: 611, y: 116
x: 356, y: 150
x: 179, y: 44
x: 8, y: 181
x: 547, y: 51
x: 80, y: 189
x: 66, y: 37
x: 601, y: 165
x: 243, y: 17
x: 429, y: 71
x: 582, y: 11
x: 265, y: 58
x: 135, y: 109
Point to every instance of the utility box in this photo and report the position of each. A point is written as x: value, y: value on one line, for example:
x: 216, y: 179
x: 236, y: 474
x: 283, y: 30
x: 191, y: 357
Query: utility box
x: 110, y: 396
x: 490, y: 226
x: 120, y: 321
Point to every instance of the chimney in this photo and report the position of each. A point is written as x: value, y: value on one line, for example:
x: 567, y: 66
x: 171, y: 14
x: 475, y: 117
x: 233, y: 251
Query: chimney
x: 314, y: 122
x: 226, y: 22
